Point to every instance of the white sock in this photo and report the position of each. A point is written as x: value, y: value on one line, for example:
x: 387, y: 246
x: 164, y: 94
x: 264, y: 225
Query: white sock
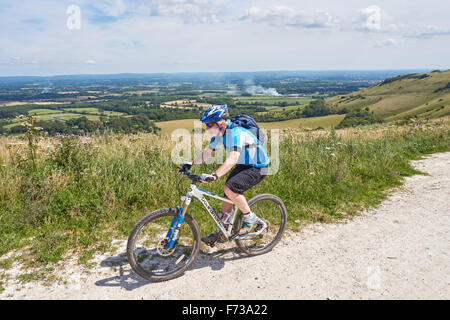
x: 249, y: 216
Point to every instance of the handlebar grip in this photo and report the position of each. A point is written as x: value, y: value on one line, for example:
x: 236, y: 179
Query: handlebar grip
x: 184, y: 170
x: 194, y: 177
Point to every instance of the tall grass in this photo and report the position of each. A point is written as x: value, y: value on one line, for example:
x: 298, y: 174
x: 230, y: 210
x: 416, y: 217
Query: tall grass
x: 75, y: 194
x: 80, y: 192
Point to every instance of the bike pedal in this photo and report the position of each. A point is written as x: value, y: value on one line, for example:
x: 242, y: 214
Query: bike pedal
x: 260, y: 225
x: 212, y: 245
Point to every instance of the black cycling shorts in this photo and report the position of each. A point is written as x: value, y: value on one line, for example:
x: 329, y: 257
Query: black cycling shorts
x: 243, y: 177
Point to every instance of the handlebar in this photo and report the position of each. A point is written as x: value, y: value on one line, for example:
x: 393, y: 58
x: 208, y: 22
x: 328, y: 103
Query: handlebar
x: 193, y: 177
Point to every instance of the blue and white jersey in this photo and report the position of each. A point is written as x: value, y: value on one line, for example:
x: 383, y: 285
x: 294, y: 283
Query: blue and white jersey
x: 241, y: 139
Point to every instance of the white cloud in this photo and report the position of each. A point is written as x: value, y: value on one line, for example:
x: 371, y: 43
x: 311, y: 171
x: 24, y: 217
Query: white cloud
x: 396, y: 27
x: 386, y: 43
x: 111, y: 8
x: 189, y: 11
x: 286, y: 16
x: 90, y: 61
x: 375, y: 19
x: 427, y: 32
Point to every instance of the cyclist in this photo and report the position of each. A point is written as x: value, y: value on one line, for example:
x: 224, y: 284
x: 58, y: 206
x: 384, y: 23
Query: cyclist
x: 245, y: 154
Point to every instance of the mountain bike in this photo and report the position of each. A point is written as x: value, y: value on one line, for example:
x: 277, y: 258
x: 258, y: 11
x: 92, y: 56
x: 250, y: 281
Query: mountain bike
x: 165, y: 243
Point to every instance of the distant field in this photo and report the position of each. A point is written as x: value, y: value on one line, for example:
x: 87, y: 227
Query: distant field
x: 184, y: 104
x: 67, y: 116
x: 141, y: 92
x: 310, y: 123
x: 276, y: 99
x: 21, y: 103
x: 111, y: 94
x: 278, y: 108
x: 169, y: 126
x: 38, y: 112
x: 92, y: 113
x: 95, y: 111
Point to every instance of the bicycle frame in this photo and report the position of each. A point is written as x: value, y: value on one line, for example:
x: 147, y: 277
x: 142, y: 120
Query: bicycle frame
x: 198, y: 193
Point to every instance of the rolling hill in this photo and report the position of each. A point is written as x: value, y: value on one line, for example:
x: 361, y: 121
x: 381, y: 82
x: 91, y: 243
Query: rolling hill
x: 421, y: 95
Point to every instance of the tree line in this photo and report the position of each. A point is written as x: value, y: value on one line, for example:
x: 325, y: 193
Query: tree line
x: 82, y: 125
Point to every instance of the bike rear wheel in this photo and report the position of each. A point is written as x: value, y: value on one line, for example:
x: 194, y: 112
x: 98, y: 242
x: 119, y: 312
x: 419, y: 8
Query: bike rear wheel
x: 147, y: 252
x: 272, y: 211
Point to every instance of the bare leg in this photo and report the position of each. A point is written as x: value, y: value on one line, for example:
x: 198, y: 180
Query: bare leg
x: 227, y: 207
x: 238, y: 199
x: 240, y: 202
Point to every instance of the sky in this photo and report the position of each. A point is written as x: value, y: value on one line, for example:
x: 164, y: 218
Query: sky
x: 55, y: 37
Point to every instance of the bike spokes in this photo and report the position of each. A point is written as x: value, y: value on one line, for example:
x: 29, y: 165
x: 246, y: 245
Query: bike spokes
x: 268, y: 228
x: 152, y: 251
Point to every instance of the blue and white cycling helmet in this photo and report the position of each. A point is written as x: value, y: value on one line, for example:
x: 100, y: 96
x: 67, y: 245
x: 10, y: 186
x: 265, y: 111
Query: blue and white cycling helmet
x: 215, y: 113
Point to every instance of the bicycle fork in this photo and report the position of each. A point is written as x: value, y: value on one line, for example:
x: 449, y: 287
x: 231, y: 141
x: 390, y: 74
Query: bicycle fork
x: 175, y: 225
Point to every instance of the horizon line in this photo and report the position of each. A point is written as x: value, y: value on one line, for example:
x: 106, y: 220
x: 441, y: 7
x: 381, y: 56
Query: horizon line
x: 213, y: 72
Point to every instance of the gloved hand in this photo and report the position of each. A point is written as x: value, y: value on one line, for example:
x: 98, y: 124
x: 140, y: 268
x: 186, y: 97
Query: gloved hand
x: 185, y: 166
x: 208, y: 177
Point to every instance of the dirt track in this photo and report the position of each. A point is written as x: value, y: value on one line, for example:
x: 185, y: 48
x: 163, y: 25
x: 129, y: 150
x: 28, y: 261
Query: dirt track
x: 399, y: 250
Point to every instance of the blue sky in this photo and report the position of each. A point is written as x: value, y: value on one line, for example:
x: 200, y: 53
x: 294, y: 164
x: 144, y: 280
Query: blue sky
x: 144, y: 36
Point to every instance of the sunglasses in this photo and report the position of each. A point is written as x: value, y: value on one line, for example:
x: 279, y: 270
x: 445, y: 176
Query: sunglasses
x: 210, y: 124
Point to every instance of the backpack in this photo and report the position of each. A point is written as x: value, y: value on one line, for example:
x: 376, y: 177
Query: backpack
x: 247, y: 122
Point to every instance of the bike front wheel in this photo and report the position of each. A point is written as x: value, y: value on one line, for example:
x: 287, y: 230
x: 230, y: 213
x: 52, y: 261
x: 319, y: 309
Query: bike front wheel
x: 147, y: 249
x: 268, y: 229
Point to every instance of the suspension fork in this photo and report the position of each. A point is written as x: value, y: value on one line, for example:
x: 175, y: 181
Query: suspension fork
x: 176, y: 223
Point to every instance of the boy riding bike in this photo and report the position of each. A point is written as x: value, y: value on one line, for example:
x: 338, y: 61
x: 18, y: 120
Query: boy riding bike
x: 245, y: 153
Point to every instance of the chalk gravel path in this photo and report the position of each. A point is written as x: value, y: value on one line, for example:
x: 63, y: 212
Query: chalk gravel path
x: 400, y: 250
